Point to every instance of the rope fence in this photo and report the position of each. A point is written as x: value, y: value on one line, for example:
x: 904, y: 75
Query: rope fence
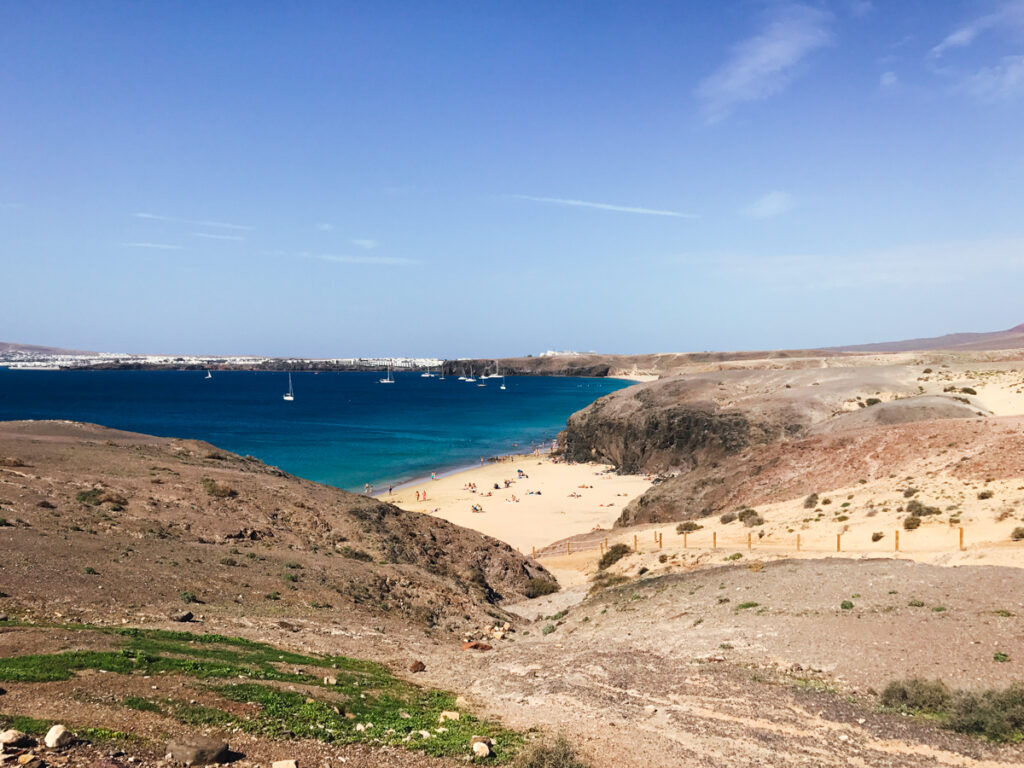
x: 709, y: 540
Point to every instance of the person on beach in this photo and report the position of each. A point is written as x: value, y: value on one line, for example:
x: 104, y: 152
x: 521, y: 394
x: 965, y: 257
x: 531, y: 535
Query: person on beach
x: 433, y: 475
x: 417, y: 495
x: 390, y: 489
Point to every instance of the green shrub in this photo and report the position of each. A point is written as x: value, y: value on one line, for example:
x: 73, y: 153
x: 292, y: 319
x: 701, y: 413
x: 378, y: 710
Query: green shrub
x: 537, y: 587
x: 968, y: 390
x: 811, y: 501
x: 188, y: 597
x: 355, y: 554
x: 1000, y: 656
x: 909, y: 493
x: 727, y: 518
x: 872, y: 401
x: 1018, y: 534
x: 911, y: 523
x: 877, y: 536
x: 916, y: 604
x: 548, y: 629
x: 751, y: 520
x: 915, y: 507
x: 985, y: 495
x: 846, y: 605
x: 549, y: 753
x: 996, y: 715
x: 615, y: 553
x: 916, y: 695
x: 90, y: 571
x: 688, y: 527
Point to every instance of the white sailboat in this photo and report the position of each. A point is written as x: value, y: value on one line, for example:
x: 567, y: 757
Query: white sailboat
x: 208, y: 375
x: 290, y: 394
x: 387, y: 379
x: 470, y: 377
x: 502, y: 383
x: 427, y: 374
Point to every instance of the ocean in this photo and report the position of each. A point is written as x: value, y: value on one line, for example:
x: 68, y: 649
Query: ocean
x: 343, y: 429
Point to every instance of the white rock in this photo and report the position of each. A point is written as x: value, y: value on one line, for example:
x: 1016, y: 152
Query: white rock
x: 448, y: 715
x: 285, y: 764
x: 426, y: 734
x: 481, y: 750
x: 12, y: 738
x: 330, y: 681
x: 58, y: 736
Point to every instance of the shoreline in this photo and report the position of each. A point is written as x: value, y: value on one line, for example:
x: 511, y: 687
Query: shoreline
x: 527, y: 501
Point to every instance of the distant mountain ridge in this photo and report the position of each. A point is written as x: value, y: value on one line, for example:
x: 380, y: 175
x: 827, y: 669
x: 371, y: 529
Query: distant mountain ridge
x: 1012, y: 338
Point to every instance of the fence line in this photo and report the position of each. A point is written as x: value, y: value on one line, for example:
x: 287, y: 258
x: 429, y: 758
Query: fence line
x: 794, y: 542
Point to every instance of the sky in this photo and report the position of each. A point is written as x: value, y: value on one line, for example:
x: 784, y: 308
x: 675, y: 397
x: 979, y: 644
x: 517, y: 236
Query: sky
x: 340, y: 179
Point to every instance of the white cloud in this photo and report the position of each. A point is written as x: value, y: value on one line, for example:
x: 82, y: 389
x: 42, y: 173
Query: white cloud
x: 386, y: 261
x: 1001, y: 82
x: 211, y: 236
x: 10, y: 206
x: 1009, y: 14
x: 389, y: 261
x: 365, y: 244
x: 763, y: 65
x: 888, y: 80
x: 606, y: 206
x: 160, y: 246
x: 190, y: 222
x: 325, y: 227
x: 769, y: 206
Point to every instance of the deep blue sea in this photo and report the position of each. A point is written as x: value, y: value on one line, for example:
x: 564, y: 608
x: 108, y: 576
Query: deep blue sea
x: 344, y: 429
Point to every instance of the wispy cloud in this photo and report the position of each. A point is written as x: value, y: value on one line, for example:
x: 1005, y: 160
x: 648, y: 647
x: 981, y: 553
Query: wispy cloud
x: 325, y: 227
x: 160, y: 246
x: 212, y: 236
x: 385, y: 261
x: 606, y: 206
x: 764, y: 65
x: 191, y: 222
x: 1001, y: 82
x: 10, y: 206
x: 775, y: 203
x: 365, y: 244
x: 860, y: 8
x: 1009, y: 14
x: 888, y: 80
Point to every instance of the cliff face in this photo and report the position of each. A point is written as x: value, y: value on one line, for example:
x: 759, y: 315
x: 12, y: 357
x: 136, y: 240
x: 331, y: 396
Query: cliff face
x: 709, y: 433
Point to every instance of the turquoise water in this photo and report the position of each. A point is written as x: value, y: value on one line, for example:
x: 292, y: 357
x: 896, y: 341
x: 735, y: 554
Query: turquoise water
x: 344, y: 429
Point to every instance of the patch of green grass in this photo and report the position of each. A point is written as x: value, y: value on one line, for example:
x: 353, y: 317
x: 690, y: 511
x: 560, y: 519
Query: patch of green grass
x: 846, y: 605
x: 548, y: 629
x: 1005, y: 614
x: 1000, y: 656
x: 744, y: 606
x: 916, y: 603
x: 733, y: 556
x: 90, y: 571
x: 30, y: 725
x: 939, y: 608
x: 141, y: 704
x: 996, y: 715
x: 369, y: 692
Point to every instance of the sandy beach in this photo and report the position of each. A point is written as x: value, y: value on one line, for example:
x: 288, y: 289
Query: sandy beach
x: 551, y: 501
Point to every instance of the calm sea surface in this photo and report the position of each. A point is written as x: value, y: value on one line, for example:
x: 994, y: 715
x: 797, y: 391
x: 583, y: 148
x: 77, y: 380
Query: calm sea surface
x: 344, y: 429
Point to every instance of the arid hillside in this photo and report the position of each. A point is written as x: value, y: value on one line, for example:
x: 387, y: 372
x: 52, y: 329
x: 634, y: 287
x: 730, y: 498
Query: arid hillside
x: 101, y: 525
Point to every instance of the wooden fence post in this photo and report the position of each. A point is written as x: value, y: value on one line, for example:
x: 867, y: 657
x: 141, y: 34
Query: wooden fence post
x: 636, y: 546
x: 714, y: 539
x: 534, y: 551
x: 685, y: 536
x: 606, y: 543
x: 798, y: 542
x: 897, y: 540
x: 659, y: 541
x: 961, y: 539
x: 748, y: 541
x: 837, y: 541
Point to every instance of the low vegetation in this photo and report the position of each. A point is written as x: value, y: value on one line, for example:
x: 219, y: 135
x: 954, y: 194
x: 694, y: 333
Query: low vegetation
x: 549, y: 753
x: 345, y: 693
x: 688, y: 527
x: 995, y: 714
x: 537, y: 587
x: 615, y: 553
x: 217, y: 489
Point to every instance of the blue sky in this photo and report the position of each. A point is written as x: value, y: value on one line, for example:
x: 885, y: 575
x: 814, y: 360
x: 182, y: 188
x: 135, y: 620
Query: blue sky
x: 455, y: 179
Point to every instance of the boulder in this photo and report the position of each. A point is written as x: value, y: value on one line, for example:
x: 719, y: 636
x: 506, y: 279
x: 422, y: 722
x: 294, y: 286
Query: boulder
x: 197, y: 750
x: 58, y: 736
x: 183, y: 616
x: 417, y: 666
x: 330, y: 681
x: 480, y: 749
x: 14, y: 739
x: 448, y: 715
x: 285, y: 764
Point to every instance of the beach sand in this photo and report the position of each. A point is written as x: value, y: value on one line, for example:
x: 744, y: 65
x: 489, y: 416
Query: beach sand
x: 534, y: 520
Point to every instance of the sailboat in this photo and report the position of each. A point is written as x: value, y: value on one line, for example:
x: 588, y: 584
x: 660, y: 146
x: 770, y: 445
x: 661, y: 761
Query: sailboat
x: 470, y: 377
x: 387, y: 379
x: 502, y: 383
x: 208, y: 375
x: 427, y: 374
x: 290, y: 394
